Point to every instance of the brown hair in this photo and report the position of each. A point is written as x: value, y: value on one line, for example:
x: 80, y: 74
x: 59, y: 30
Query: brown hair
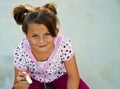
x: 46, y: 14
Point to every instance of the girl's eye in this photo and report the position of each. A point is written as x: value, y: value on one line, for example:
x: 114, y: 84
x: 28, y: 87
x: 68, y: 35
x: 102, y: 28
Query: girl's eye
x: 47, y: 34
x: 34, y: 35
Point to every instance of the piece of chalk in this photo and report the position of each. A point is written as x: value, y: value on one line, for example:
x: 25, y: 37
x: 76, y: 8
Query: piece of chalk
x: 28, y: 78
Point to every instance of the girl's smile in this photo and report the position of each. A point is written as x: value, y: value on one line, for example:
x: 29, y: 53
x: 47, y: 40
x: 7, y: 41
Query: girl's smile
x: 42, y: 46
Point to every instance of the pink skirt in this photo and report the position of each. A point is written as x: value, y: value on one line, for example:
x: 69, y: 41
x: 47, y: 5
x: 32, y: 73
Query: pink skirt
x: 60, y: 83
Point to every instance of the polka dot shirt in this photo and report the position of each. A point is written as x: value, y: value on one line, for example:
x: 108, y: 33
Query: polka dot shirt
x: 53, y: 67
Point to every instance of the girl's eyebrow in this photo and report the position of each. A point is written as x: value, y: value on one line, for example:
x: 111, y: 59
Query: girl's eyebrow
x: 47, y: 33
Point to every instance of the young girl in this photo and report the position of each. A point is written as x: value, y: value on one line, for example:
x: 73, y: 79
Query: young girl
x: 44, y: 54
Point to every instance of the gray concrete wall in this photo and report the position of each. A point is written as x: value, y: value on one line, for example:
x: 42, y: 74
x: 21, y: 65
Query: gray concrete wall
x: 93, y: 26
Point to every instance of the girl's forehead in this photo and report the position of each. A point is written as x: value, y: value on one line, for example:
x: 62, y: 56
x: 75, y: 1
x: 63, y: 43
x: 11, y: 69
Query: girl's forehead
x: 36, y: 25
x: 37, y: 28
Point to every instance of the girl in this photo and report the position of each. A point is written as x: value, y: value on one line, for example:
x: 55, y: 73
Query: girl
x: 44, y: 54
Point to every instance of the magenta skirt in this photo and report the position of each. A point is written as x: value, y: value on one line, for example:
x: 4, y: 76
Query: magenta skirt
x: 60, y: 83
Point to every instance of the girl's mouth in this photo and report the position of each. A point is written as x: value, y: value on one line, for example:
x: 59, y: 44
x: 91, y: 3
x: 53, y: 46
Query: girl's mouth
x: 41, y: 46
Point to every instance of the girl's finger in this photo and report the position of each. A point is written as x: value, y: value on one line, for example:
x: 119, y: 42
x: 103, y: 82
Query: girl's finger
x: 19, y: 78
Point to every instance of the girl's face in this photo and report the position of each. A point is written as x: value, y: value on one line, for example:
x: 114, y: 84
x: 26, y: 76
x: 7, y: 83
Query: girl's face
x: 40, y: 38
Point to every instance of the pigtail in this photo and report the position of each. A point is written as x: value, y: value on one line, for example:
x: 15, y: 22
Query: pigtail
x: 20, y: 11
x: 51, y: 7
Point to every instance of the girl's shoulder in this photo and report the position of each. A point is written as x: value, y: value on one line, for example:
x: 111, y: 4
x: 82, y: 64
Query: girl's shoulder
x: 20, y: 48
x: 66, y: 41
x: 19, y: 57
x: 65, y: 48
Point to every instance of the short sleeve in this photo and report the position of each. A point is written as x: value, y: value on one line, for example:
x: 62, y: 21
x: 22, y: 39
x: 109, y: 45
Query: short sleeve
x: 67, y: 49
x: 19, y: 59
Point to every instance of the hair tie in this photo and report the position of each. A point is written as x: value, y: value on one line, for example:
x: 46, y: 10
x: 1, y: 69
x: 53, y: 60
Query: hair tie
x: 28, y: 8
x: 25, y: 11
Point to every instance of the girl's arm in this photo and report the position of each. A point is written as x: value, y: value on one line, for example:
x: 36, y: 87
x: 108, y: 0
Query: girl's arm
x: 19, y: 80
x: 73, y: 74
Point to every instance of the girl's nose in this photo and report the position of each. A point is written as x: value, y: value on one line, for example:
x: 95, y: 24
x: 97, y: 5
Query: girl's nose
x: 42, y: 39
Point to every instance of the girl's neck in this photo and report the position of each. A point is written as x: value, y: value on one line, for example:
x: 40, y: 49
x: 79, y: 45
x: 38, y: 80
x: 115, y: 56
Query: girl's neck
x: 42, y: 56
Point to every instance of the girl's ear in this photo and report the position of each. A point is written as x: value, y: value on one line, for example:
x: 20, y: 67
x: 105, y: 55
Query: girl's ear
x: 56, y: 31
x: 26, y: 36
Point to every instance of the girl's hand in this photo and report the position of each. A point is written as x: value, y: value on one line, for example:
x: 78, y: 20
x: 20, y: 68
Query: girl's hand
x: 20, y: 80
x: 24, y: 76
x: 21, y: 77
x: 21, y: 85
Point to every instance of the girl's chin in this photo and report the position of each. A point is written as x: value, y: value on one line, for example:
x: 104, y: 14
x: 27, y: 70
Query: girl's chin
x: 42, y: 49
